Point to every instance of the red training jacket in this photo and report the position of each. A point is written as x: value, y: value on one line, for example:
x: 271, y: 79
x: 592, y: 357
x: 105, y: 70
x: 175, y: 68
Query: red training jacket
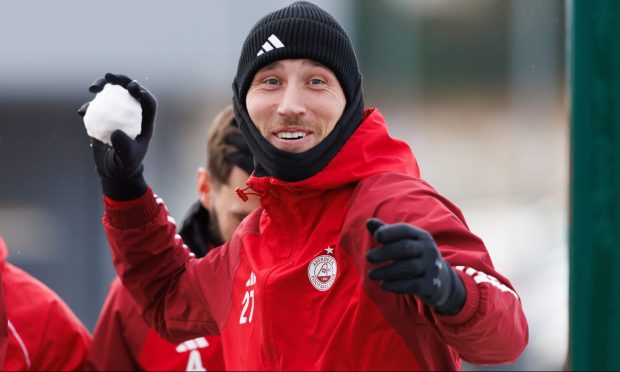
x: 289, y: 290
x: 43, y: 333
x: 123, y: 342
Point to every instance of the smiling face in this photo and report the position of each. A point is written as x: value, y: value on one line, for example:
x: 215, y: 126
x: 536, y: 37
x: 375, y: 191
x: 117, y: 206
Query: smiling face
x: 295, y: 103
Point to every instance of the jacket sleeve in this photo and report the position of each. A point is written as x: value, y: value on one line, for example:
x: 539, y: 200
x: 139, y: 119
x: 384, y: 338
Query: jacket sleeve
x: 491, y: 327
x: 158, y: 270
x: 118, y: 335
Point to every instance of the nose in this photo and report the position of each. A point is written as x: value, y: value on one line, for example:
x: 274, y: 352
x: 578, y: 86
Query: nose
x: 292, y: 104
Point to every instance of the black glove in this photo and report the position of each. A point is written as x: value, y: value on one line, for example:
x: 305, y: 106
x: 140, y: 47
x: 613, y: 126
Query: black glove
x: 120, y: 165
x: 414, y: 266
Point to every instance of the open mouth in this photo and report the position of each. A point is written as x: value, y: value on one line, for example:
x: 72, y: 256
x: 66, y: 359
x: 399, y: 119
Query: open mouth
x: 290, y: 135
x: 292, y: 139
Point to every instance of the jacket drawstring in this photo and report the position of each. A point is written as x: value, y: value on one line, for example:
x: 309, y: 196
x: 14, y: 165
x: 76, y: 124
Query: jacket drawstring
x: 244, y: 195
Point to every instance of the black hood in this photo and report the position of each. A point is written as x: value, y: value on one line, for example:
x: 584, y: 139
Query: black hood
x: 196, y: 231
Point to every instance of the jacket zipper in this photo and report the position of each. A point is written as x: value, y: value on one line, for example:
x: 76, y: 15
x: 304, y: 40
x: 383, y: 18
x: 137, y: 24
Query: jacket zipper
x: 270, y: 350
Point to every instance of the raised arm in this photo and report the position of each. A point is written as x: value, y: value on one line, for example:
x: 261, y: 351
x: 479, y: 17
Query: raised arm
x: 150, y: 258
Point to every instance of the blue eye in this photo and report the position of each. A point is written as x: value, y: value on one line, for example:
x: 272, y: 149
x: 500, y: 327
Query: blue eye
x: 272, y: 81
x: 316, y: 81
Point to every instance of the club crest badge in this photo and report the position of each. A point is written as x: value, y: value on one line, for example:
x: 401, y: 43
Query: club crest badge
x: 322, y: 271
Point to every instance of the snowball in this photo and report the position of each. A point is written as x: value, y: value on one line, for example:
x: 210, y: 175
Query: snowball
x: 113, y: 108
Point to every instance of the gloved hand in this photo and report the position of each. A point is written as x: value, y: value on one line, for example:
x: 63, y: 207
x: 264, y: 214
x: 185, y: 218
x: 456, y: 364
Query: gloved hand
x: 414, y: 266
x: 120, y: 165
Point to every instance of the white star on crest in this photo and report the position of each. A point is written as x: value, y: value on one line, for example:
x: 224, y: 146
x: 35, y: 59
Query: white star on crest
x: 329, y: 250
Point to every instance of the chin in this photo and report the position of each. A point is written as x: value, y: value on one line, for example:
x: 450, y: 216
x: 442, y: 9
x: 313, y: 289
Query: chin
x: 296, y: 150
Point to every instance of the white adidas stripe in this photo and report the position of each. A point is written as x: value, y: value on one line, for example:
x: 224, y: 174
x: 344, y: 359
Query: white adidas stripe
x: 267, y: 47
x: 252, y: 280
x: 273, y: 39
x: 272, y: 43
x: 481, y: 277
x: 195, y: 344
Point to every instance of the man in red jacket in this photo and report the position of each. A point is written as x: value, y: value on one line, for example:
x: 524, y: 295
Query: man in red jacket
x: 353, y: 262
x: 43, y: 333
x: 122, y: 341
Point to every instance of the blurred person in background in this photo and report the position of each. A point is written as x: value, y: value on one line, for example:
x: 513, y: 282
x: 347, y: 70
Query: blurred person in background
x: 352, y: 262
x: 122, y: 340
x: 43, y: 333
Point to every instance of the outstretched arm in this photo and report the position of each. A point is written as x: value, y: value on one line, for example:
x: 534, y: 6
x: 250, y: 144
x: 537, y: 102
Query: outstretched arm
x: 426, y: 252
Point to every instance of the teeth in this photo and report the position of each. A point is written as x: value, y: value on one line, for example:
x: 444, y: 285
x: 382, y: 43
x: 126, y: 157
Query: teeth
x: 290, y: 135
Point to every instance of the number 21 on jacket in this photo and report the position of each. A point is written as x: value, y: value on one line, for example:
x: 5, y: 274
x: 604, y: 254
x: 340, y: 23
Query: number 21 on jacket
x: 248, y: 301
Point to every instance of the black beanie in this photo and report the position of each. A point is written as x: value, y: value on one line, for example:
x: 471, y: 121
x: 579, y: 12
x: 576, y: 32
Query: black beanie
x: 301, y: 30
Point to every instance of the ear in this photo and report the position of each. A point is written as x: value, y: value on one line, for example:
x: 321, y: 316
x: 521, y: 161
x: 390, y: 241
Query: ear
x: 204, y: 186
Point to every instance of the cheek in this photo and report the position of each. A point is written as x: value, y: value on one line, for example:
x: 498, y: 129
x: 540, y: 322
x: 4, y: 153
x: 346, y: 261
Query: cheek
x: 251, y: 105
x: 257, y: 106
x: 224, y: 203
x: 224, y: 220
x: 338, y: 108
x: 331, y: 113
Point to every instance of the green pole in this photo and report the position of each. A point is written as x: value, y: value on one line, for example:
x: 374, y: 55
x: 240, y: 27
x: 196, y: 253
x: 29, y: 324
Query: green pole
x: 595, y: 184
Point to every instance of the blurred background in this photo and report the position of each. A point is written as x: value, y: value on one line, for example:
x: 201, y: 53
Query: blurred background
x: 477, y: 88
